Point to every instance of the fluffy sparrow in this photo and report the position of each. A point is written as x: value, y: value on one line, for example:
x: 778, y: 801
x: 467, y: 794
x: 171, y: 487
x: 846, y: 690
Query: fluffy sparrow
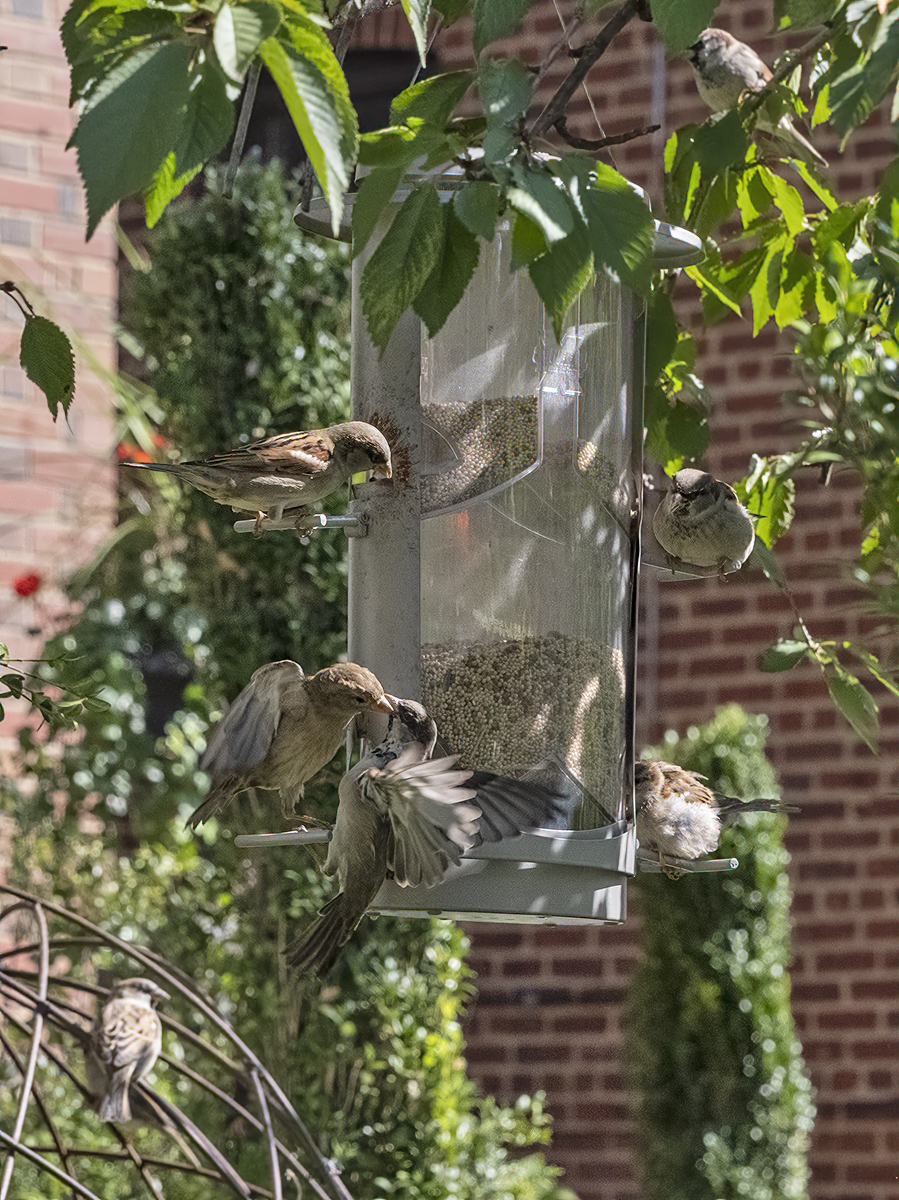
x: 404, y: 814
x: 700, y: 522
x: 282, y: 729
x: 287, y: 472
x: 125, y: 1043
x: 678, y: 815
x: 725, y: 69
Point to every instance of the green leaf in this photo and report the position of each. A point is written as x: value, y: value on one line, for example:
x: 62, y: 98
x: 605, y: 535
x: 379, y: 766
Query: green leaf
x: 46, y: 357
x: 477, y: 205
x: 132, y: 124
x: 675, y: 431
x: 620, y: 228
x: 444, y: 287
x: 528, y: 242
x: 536, y: 193
x: 452, y: 10
x: 562, y: 273
x: 376, y: 190
x: 705, y: 280
x: 505, y: 91
x: 417, y: 13
x: 205, y: 129
x: 493, y: 19
x: 856, y: 704
x: 239, y: 31
x: 721, y: 143
x: 661, y: 334
x: 787, y: 200
x: 784, y: 654
x: 802, y: 14
x: 771, y: 497
x: 680, y: 22
x: 395, y: 146
x: 315, y: 91
x: 432, y: 100
x: 855, y: 93
x: 407, y: 254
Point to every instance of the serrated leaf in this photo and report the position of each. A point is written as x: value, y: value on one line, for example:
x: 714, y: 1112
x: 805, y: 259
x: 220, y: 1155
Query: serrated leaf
x: 493, y: 19
x: 802, y: 14
x: 402, y: 261
x: 477, y: 205
x: 661, y: 334
x: 620, y: 228
x: 417, y: 13
x: 771, y: 498
x: 528, y: 242
x: 856, y: 705
x: 675, y: 431
x: 537, y: 194
x: 505, y: 91
x: 783, y: 655
x: 432, y: 100
x: 45, y: 355
x: 722, y: 143
x: 705, y: 280
x: 444, y: 287
x: 239, y: 31
x: 680, y: 22
x: 562, y: 273
x: 376, y: 190
x: 315, y: 91
x: 131, y: 127
x: 855, y: 93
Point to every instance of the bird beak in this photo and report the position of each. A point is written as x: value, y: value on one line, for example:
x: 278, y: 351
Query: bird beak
x: 382, y: 471
x: 385, y: 704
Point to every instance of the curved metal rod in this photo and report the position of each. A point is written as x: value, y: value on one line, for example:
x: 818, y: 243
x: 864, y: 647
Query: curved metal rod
x: 37, y: 1030
x: 162, y: 1164
x: 39, y: 1101
x: 284, y: 1106
x: 270, y: 1135
x: 16, y: 1147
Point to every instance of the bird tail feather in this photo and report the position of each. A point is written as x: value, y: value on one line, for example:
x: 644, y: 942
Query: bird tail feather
x: 730, y: 809
x: 115, y: 1105
x: 317, y: 949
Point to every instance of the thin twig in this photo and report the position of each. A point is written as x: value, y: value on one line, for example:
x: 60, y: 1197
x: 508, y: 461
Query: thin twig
x: 587, y: 56
x: 559, y: 47
x: 243, y: 124
x: 786, y: 68
x: 613, y: 139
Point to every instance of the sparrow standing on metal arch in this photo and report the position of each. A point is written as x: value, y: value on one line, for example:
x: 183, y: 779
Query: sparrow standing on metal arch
x: 125, y: 1043
x: 287, y: 472
x: 700, y: 522
x: 282, y: 729
x: 678, y: 815
x: 406, y: 815
x: 725, y: 70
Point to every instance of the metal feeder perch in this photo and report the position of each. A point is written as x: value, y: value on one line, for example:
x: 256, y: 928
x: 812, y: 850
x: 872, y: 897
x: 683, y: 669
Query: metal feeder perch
x: 497, y: 580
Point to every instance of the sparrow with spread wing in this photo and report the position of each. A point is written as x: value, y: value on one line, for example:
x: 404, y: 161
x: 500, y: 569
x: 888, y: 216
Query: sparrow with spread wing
x: 125, y: 1042
x: 678, y: 815
x: 725, y: 70
x: 285, y: 473
x: 282, y: 729
x: 405, y: 815
x: 700, y: 522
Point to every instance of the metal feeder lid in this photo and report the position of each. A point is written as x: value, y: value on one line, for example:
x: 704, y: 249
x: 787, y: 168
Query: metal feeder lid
x: 672, y: 246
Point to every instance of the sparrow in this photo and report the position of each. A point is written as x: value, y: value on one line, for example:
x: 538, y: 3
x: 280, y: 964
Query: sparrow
x: 404, y: 815
x: 700, y: 522
x: 287, y: 472
x: 125, y: 1043
x: 678, y: 815
x: 725, y: 70
x: 282, y: 729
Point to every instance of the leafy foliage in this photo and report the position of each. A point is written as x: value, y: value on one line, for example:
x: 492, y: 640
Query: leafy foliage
x: 249, y: 325
x: 725, y: 1106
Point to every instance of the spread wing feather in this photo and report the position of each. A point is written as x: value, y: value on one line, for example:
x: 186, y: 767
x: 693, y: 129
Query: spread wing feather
x: 509, y: 806
x: 244, y: 735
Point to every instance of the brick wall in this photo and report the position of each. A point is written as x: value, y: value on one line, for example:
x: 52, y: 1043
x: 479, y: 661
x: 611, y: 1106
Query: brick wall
x: 56, y: 480
x: 549, y: 1002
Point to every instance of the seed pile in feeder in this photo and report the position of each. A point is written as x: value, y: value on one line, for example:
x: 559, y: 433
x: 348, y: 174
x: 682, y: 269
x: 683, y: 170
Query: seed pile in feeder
x: 495, y: 440
x: 500, y: 706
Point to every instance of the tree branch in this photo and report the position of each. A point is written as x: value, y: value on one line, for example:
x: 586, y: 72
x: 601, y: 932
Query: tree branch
x: 787, y: 67
x: 613, y: 139
x: 587, y: 56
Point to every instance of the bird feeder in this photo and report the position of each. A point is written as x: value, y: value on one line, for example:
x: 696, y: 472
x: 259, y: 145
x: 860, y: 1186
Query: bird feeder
x: 497, y: 580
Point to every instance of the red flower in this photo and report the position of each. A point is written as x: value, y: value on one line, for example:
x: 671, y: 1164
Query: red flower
x: 161, y: 441
x: 130, y: 451
x: 27, y: 585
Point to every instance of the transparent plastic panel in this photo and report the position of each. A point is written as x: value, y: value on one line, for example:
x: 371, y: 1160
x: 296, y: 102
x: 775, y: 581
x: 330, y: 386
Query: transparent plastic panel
x: 528, y: 490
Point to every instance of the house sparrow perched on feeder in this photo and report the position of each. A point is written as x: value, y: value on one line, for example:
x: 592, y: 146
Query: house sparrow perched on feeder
x: 287, y: 472
x: 282, y: 729
x: 678, y: 815
x: 700, y: 522
x: 725, y: 70
x: 125, y: 1043
x: 406, y: 815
